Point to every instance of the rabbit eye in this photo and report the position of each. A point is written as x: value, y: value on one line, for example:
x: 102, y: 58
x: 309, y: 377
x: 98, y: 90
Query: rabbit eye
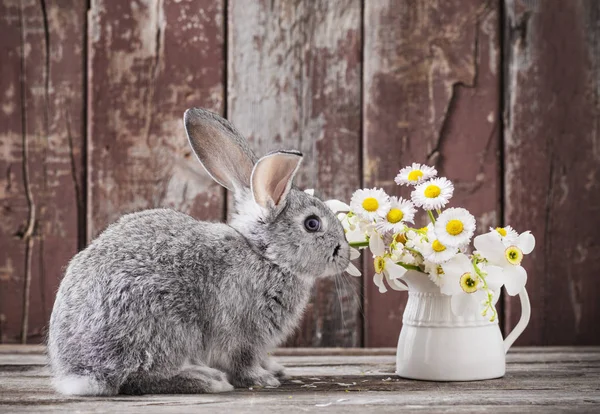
x: 312, y: 224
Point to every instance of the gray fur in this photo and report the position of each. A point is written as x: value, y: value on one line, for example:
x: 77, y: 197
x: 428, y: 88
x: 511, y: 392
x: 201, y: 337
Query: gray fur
x: 163, y: 303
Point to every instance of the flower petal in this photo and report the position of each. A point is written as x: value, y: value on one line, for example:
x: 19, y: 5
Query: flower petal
x: 495, y: 277
x: 451, y: 284
x: 490, y: 246
x: 515, y: 278
x: 458, y: 265
x: 353, y: 270
x: 354, y: 253
x: 393, y: 270
x: 378, y: 280
x: 337, y: 206
x: 395, y: 283
x: 376, y: 245
x: 526, y: 242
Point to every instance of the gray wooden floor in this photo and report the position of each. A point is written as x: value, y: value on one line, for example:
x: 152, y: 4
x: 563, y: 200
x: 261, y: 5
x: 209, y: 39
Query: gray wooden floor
x: 338, y: 380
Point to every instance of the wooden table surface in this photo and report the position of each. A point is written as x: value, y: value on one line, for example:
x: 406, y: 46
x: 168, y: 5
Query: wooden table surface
x: 545, y: 380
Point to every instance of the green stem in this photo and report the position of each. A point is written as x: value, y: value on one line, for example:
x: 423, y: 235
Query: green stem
x: 359, y: 244
x: 431, y: 216
x: 409, y: 267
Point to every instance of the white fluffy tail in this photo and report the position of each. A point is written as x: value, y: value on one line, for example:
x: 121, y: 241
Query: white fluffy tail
x: 81, y: 385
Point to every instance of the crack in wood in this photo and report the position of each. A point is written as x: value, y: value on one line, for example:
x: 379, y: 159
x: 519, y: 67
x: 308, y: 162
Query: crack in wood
x: 27, y: 234
x: 46, y: 87
x: 154, y: 71
x: 434, y: 156
x: 547, y: 236
x: 81, y: 242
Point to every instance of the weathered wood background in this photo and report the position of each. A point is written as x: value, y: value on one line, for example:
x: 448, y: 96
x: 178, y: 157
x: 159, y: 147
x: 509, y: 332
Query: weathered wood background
x: 501, y: 96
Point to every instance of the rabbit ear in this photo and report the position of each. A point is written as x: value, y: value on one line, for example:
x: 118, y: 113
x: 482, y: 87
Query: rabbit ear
x: 272, y: 177
x: 221, y: 149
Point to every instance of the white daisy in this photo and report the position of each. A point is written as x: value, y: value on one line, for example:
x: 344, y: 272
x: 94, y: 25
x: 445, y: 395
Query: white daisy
x: 465, y: 286
x: 507, y: 234
x: 370, y: 204
x: 433, y: 250
x: 433, y: 194
x: 385, y: 267
x: 435, y: 273
x: 401, y: 211
x: 415, y: 174
x: 455, y: 227
x: 491, y: 247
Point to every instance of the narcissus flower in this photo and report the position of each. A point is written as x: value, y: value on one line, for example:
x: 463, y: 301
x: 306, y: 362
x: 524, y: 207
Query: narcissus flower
x: 433, y: 194
x: 455, y: 227
x: 370, y: 204
x: 337, y: 206
x: 507, y: 234
x: 385, y: 267
x: 401, y: 211
x: 351, y: 269
x: 462, y: 282
x: 509, y: 258
x: 415, y: 174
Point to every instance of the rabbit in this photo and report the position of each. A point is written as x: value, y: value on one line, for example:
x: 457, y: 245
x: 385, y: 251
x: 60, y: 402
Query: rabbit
x: 163, y: 303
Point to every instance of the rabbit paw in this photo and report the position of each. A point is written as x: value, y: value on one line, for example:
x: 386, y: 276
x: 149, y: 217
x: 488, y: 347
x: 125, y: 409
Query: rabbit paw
x: 274, y: 368
x: 259, y: 377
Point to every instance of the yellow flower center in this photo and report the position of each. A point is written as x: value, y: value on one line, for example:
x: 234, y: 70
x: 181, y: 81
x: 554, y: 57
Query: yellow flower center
x: 501, y: 231
x: 514, y: 255
x: 370, y: 204
x: 454, y: 227
x: 437, y: 246
x: 395, y: 215
x: 414, y: 175
x: 379, y: 264
x: 401, y: 238
x: 467, y: 283
x: 432, y: 191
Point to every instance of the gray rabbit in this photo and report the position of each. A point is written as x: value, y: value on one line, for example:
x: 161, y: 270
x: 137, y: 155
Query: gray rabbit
x: 163, y: 303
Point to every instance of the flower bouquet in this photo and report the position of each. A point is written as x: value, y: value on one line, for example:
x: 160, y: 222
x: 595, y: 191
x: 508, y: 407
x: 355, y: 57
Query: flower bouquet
x: 453, y: 287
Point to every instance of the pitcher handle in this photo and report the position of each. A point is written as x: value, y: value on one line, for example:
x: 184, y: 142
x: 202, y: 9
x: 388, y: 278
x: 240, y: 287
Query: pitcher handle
x: 525, y: 316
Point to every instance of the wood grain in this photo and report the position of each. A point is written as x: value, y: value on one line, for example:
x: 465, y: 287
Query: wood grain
x: 41, y: 162
x: 538, y: 380
x: 294, y: 82
x: 431, y: 95
x: 149, y: 61
x: 552, y: 152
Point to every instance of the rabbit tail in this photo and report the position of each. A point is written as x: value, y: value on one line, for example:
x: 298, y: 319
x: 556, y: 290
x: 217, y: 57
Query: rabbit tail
x: 71, y: 384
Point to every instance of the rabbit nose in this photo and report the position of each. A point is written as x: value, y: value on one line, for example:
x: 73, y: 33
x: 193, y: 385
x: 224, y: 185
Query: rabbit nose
x: 336, y: 251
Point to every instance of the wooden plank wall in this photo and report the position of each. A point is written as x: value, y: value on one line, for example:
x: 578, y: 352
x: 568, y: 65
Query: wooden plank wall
x: 502, y: 96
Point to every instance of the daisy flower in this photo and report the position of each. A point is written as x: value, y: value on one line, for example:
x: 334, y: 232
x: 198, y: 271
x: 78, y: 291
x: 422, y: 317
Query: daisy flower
x: 465, y: 286
x: 434, y: 250
x: 385, y: 267
x: 455, y: 227
x: 435, y: 273
x: 507, y: 234
x: 370, y: 204
x: 433, y: 194
x: 491, y: 247
x: 401, y: 211
x: 415, y: 174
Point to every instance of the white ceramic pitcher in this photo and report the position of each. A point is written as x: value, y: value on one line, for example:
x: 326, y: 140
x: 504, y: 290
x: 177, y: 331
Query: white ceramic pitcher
x: 436, y: 345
